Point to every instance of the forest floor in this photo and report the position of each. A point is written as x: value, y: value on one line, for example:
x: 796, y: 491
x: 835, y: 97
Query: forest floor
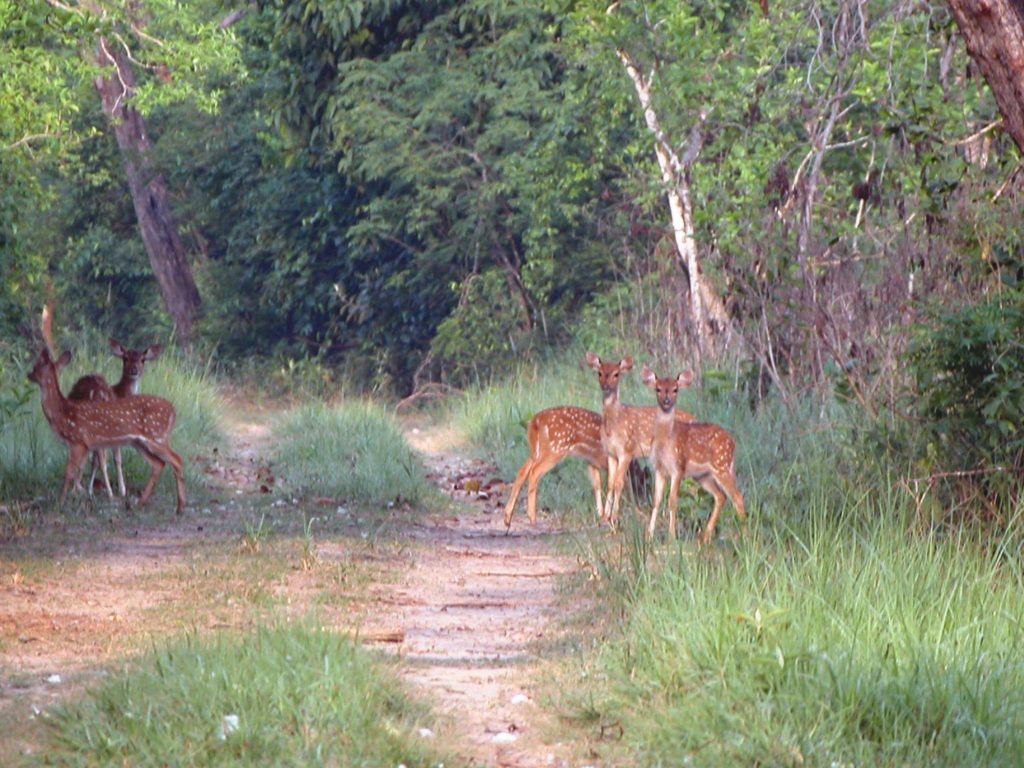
x: 474, y: 615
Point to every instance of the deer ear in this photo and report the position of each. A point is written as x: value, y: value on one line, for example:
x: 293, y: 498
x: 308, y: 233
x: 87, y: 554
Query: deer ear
x: 115, y: 347
x: 648, y: 376
x: 593, y: 361
x: 153, y: 352
x: 626, y: 364
x: 63, y: 360
x: 684, y: 379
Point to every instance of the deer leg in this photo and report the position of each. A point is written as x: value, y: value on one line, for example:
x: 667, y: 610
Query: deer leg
x: 100, y: 457
x: 595, y: 483
x: 150, y: 453
x: 621, y: 468
x: 517, y: 486
x: 728, y: 484
x: 120, y: 472
x: 537, y: 471
x: 178, y: 466
x: 159, y: 456
x: 673, y: 502
x: 77, y: 454
x: 659, y: 488
x: 613, y: 465
x: 711, y: 486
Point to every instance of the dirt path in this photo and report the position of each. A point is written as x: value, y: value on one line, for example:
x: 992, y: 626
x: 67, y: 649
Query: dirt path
x: 477, y: 611
x: 472, y: 608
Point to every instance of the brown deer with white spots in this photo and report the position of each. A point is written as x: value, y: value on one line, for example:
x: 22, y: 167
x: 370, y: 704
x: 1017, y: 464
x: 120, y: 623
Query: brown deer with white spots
x: 95, y: 387
x: 627, y: 432
x: 704, y: 452
x: 143, y: 422
x: 556, y: 434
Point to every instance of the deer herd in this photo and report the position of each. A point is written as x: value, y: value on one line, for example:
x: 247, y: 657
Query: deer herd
x: 678, y: 446
x: 95, y: 416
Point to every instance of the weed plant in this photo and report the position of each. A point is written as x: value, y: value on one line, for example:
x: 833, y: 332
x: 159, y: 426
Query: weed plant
x: 32, y: 458
x: 288, y: 695
x: 353, y: 451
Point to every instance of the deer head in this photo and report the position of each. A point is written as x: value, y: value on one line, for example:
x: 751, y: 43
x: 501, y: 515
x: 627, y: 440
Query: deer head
x: 666, y: 391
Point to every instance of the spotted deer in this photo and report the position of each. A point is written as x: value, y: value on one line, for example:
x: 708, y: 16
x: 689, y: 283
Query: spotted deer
x: 143, y: 422
x: 556, y: 434
x: 704, y: 452
x: 95, y: 387
x: 627, y: 432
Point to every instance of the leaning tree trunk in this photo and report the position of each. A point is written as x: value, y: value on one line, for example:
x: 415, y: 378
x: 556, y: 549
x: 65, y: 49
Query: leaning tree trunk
x: 711, y: 321
x: 994, y: 31
x: 149, y: 194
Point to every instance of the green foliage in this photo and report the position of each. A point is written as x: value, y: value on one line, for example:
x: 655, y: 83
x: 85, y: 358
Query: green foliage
x: 288, y: 695
x: 969, y: 372
x: 351, y: 452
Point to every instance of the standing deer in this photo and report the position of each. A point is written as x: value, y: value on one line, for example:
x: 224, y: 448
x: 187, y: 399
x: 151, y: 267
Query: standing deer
x: 627, y: 432
x: 95, y: 387
x: 704, y: 452
x: 143, y: 422
x: 556, y: 434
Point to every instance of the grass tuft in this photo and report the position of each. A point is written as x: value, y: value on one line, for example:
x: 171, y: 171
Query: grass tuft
x: 289, y: 695
x: 354, y: 451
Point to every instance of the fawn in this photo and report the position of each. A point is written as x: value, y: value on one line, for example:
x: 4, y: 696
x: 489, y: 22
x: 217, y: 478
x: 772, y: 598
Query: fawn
x: 144, y: 422
x: 704, y: 452
x: 95, y: 387
x: 556, y: 434
x: 627, y: 432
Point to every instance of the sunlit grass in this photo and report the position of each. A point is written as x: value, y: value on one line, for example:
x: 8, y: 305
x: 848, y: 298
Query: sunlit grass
x: 354, y: 451
x: 848, y: 640
x: 289, y: 695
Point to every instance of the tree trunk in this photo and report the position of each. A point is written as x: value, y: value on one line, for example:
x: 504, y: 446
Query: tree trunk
x: 994, y: 31
x: 710, y: 319
x: 149, y: 194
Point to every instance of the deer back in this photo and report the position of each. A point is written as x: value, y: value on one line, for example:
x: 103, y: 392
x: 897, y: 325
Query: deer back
x: 121, y: 421
x: 567, y: 430
x: 91, y: 387
x: 705, y: 448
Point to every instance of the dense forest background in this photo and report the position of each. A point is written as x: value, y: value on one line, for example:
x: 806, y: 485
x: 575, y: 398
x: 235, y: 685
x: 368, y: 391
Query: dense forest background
x: 802, y: 198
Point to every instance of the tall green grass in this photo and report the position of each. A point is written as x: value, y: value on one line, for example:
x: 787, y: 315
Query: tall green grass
x: 286, y: 696
x: 352, y: 451
x: 844, y: 640
x: 32, y: 458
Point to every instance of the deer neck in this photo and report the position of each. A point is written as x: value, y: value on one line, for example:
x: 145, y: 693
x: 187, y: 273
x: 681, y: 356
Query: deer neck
x: 664, y: 424
x: 55, y: 405
x: 128, y: 385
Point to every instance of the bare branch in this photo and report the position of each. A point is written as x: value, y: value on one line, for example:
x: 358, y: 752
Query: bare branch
x: 29, y: 139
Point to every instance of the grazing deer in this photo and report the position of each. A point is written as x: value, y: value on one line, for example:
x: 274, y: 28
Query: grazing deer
x: 704, y: 452
x: 556, y: 434
x: 143, y: 422
x: 95, y: 387
x: 627, y: 432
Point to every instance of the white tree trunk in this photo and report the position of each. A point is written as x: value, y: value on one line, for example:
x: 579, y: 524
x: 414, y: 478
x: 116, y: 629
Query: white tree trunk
x: 705, y: 304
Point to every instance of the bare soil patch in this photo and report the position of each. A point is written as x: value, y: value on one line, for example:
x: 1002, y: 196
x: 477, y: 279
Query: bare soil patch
x: 470, y: 612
